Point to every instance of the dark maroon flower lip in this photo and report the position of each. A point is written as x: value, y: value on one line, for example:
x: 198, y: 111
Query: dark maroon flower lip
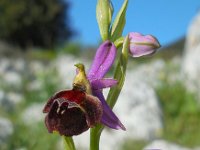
x: 71, y: 112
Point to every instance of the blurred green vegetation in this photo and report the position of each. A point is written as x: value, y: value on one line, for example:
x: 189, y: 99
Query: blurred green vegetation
x: 41, y: 54
x: 181, y: 114
x: 72, y: 48
x: 75, y: 49
x: 129, y: 144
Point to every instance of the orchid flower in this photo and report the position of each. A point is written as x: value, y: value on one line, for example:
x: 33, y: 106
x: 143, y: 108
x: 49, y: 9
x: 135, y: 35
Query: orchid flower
x: 71, y: 112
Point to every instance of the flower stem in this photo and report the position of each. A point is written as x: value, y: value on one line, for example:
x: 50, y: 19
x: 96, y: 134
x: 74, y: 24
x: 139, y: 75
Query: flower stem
x: 68, y: 143
x: 119, y: 42
x: 95, y: 134
x: 119, y: 74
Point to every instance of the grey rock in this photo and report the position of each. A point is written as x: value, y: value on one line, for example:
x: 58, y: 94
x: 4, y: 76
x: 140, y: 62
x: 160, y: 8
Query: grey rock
x: 4, y: 103
x: 12, y: 78
x: 2, y: 96
x: 193, y: 35
x: 4, y: 65
x: 164, y: 145
x: 8, y: 101
x: 172, y: 72
x: 82, y: 141
x: 33, y: 114
x: 191, y: 62
x: 14, y: 98
x: 34, y: 85
x: 191, y: 69
x: 19, y: 65
x: 21, y: 148
x: 139, y: 100
x: 6, y: 130
x: 12, y: 64
x: 150, y: 73
x: 36, y: 67
x: 66, y: 69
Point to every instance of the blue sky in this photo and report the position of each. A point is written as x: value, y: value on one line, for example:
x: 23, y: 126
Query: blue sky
x: 168, y: 20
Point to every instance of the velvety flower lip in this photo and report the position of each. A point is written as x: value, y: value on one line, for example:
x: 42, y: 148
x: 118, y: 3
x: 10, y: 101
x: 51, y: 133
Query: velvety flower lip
x: 64, y: 95
x: 104, y: 58
x: 71, y: 112
x: 141, y: 45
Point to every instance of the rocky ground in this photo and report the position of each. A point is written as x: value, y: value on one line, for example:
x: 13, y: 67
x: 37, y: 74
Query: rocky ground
x: 26, y: 84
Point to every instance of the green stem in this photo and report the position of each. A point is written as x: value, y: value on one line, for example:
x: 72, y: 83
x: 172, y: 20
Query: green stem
x: 119, y: 42
x: 68, y: 143
x: 119, y: 74
x: 95, y: 134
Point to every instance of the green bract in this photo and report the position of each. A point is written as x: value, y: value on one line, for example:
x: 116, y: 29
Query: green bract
x: 104, y: 13
x: 119, y: 22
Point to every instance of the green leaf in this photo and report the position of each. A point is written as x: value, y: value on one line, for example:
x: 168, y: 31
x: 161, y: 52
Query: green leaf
x: 119, y: 22
x: 119, y: 74
x: 104, y: 11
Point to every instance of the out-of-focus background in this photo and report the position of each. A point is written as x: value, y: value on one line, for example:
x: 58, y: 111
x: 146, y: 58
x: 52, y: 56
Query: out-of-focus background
x: 41, y: 40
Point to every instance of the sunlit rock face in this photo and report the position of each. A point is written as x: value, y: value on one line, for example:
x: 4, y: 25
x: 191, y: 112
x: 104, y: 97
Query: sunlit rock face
x: 6, y: 130
x: 139, y: 108
x: 165, y: 145
x: 193, y: 35
x: 66, y: 70
x: 32, y: 114
x: 191, y: 58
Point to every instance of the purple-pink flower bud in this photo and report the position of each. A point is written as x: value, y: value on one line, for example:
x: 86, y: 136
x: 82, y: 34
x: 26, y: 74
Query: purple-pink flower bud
x: 141, y: 45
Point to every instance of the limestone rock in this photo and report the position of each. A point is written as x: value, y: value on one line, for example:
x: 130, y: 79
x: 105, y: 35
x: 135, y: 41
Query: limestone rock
x: 193, y: 35
x: 12, y: 78
x: 191, y: 61
x: 150, y: 73
x: 164, y: 145
x: 6, y: 129
x: 33, y: 114
x: 66, y: 69
x: 139, y: 109
x: 8, y: 101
